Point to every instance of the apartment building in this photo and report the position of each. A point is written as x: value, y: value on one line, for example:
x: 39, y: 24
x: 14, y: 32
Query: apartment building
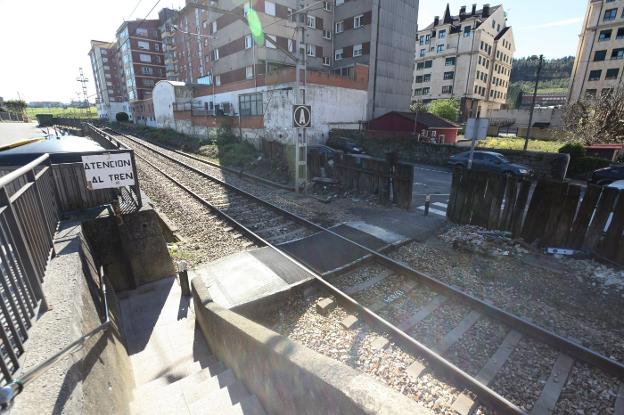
x: 218, y: 49
x: 467, y: 57
x: 109, y: 84
x: 599, y: 63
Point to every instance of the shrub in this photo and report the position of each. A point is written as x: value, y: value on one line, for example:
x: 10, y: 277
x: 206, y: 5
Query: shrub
x: 581, y: 167
x: 122, y: 117
x: 575, y: 150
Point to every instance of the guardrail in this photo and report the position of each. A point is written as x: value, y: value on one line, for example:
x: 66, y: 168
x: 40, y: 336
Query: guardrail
x: 28, y: 221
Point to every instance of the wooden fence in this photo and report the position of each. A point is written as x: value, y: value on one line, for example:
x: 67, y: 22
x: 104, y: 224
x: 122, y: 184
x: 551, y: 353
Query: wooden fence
x: 390, y: 180
x: 554, y: 214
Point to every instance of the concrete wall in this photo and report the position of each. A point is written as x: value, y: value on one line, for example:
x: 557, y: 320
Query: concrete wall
x: 545, y: 165
x: 164, y: 95
x: 554, y: 116
x: 288, y: 378
x: 98, y: 377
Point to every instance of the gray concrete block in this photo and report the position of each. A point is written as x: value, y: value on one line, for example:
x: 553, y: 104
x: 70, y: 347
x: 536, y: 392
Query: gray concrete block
x: 415, y: 369
x: 325, y: 306
x: 380, y: 343
x: 349, y: 321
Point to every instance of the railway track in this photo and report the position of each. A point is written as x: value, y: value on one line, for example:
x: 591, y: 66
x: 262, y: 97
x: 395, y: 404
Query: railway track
x: 406, y: 304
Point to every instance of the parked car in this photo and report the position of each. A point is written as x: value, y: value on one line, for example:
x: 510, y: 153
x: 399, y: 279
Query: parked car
x: 607, y: 175
x: 617, y: 185
x: 490, y: 161
x: 345, y: 144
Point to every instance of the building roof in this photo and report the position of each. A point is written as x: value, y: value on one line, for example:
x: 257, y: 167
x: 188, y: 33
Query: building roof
x: 428, y: 119
x: 502, y: 33
x: 453, y: 20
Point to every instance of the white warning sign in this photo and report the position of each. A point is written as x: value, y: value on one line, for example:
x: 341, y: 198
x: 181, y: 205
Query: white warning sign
x: 106, y: 171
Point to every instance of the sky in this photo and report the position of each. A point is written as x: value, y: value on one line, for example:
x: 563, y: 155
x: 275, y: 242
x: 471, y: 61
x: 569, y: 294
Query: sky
x: 44, y: 42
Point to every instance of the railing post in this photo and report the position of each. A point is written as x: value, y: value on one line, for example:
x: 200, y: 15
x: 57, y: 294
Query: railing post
x: 22, y: 248
x: 137, y: 188
x: 32, y: 178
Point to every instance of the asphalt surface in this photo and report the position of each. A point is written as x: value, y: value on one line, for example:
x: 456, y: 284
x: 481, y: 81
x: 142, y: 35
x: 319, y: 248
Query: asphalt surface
x: 14, y: 131
x: 431, y: 180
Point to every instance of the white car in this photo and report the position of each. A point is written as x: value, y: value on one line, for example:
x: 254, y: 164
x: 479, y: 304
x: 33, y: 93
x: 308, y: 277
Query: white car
x: 617, y: 185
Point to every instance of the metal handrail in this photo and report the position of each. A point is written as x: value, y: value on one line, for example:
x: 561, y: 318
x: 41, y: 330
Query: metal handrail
x: 8, y: 178
x: 11, y: 390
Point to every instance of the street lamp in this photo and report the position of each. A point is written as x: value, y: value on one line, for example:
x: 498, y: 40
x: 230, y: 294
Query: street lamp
x: 537, y: 79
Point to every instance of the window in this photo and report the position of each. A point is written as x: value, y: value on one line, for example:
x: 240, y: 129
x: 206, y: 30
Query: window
x: 340, y: 27
x: 141, y: 31
x: 268, y: 44
x: 612, y: 73
x: 143, y: 45
x: 205, y: 80
x: 493, y: 24
x: 215, y: 54
x: 420, y: 65
x: 248, y: 42
x: 427, y: 78
x: 311, y: 22
x: 218, y: 80
x: 610, y: 15
x: 595, y: 75
x: 147, y: 70
x: 428, y: 64
x: 606, y: 92
x: 600, y: 55
x: 442, y: 34
x: 426, y: 91
x: 620, y: 33
x: 326, y: 61
x: 291, y: 45
x: 617, y: 54
x: 327, y: 6
x: 357, y: 50
x: 156, y: 47
x: 311, y: 50
x: 145, y: 58
x: 448, y: 89
x: 327, y: 34
x: 339, y: 2
x: 250, y: 104
x: 338, y: 54
x: 245, y: 9
x: 418, y: 91
x: 449, y: 75
x: 148, y: 82
x: 422, y: 52
x: 605, y: 35
x: 440, y: 48
x: 419, y: 79
x: 269, y: 8
x: 214, y: 27
x: 249, y: 73
x: 467, y: 31
x: 591, y: 93
x: 357, y: 21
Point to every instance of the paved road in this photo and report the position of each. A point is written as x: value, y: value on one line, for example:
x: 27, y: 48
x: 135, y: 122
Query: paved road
x: 11, y: 132
x: 434, y: 181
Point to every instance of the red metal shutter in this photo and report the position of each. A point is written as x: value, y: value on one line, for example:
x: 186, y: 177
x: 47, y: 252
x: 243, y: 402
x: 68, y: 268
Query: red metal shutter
x: 319, y: 23
x: 348, y: 23
x: 319, y: 52
x: 347, y: 52
x: 368, y: 18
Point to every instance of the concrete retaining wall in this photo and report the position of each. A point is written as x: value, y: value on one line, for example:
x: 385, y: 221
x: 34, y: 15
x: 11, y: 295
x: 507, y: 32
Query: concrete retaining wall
x: 286, y: 377
x: 545, y: 165
x: 96, y: 379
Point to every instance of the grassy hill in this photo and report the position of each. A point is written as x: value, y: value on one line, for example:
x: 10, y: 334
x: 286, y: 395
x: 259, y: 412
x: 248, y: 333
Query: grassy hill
x: 68, y: 112
x: 554, y: 79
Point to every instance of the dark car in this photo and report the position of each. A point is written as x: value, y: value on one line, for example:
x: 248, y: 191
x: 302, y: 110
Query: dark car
x: 328, y: 152
x: 490, y: 161
x: 608, y: 175
x: 345, y: 144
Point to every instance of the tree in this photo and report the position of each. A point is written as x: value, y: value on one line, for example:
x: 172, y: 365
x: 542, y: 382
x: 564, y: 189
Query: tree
x: 16, y: 106
x: 595, y: 120
x: 418, y: 106
x: 445, y: 108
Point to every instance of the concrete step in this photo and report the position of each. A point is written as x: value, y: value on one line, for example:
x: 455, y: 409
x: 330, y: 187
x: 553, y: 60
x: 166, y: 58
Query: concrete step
x: 248, y: 406
x: 211, y: 368
x: 218, y: 401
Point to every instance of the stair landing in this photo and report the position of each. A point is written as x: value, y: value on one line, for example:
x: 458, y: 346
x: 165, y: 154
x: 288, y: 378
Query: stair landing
x: 175, y: 372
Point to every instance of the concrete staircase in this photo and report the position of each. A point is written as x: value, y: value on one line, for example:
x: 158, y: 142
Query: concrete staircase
x: 175, y: 373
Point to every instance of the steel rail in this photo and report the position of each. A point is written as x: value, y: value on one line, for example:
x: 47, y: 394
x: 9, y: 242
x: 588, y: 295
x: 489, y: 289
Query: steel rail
x: 486, y: 395
x: 572, y: 348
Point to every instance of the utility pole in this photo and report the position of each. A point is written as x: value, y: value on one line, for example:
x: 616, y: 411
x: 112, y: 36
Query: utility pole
x: 83, y: 81
x: 537, y: 79
x: 301, y: 147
